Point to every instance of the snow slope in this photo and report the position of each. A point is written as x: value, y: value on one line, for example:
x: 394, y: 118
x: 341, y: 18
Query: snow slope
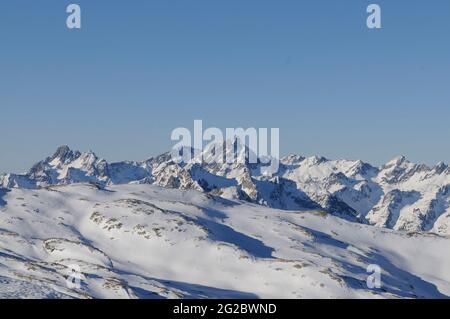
x: 146, y: 241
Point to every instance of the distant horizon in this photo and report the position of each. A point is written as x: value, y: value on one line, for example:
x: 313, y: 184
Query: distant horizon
x: 313, y: 69
x: 377, y: 165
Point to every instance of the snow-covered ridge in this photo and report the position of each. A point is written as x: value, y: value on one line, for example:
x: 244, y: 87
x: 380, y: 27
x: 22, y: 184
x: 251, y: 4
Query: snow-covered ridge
x: 400, y: 195
x: 146, y: 241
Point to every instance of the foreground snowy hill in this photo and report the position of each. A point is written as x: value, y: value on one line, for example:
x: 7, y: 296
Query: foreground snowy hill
x: 145, y: 241
x: 399, y: 195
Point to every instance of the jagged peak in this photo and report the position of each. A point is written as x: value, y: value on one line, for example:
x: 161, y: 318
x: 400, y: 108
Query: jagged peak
x: 292, y: 159
x: 315, y: 160
x: 89, y: 156
x: 232, y: 148
x: 440, y: 167
x: 63, y: 154
x: 441, y: 164
x: 397, y: 161
x: 360, y: 167
x: 62, y: 151
x: 403, y: 163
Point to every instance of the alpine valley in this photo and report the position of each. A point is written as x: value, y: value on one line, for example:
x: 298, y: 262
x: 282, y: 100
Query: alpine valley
x: 208, y: 229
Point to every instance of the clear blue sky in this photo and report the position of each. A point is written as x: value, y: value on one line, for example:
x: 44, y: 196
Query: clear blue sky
x: 138, y: 69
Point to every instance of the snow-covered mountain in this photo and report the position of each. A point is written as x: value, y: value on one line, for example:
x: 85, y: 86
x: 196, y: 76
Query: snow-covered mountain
x: 146, y: 241
x: 399, y: 195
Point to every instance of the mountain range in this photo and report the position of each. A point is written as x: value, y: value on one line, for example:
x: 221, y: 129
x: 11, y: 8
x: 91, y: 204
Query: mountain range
x: 399, y: 195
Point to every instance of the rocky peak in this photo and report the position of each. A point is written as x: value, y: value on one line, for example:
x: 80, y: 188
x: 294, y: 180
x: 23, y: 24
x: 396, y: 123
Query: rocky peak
x: 396, y: 162
x: 292, y: 160
x: 64, y: 155
x: 362, y: 169
x: 440, y: 168
x: 315, y: 160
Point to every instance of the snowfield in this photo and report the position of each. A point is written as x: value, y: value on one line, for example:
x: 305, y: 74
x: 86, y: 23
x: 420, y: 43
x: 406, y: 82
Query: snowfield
x: 145, y: 241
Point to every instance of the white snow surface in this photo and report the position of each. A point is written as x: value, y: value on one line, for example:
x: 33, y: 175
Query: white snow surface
x: 146, y: 241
